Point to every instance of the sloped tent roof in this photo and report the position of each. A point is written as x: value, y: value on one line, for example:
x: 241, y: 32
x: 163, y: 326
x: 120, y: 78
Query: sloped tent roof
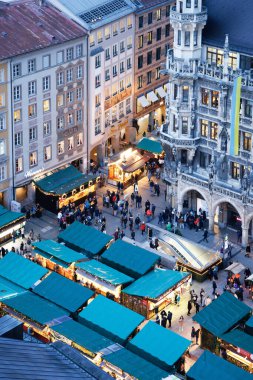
x: 57, y: 252
x: 135, y: 365
x: 129, y: 259
x: 158, y: 345
x: 63, y: 181
x: 210, y: 366
x: 35, y: 307
x: 8, y: 289
x: 222, y: 314
x: 104, y: 272
x: 21, y: 271
x: 150, y: 145
x: 83, y: 336
x: 84, y: 238
x: 249, y: 322
x: 235, y: 268
x: 9, y: 217
x: 155, y: 283
x: 63, y: 292
x: 110, y: 319
x: 239, y: 339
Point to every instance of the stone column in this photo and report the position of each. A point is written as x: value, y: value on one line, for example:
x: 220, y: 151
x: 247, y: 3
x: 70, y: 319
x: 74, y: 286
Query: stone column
x: 245, y: 233
x: 210, y: 222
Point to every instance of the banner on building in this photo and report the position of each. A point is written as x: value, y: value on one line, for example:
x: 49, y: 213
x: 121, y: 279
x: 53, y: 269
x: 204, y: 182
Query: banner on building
x: 235, y: 117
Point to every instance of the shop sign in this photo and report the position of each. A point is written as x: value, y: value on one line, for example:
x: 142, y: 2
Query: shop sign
x: 31, y: 173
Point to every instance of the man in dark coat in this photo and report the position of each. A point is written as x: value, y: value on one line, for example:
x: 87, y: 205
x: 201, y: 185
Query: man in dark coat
x: 169, y: 317
x: 189, y: 307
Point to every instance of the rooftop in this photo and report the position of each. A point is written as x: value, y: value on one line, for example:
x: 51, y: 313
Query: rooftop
x: 37, y: 27
x: 7, y: 216
x: 150, y: 4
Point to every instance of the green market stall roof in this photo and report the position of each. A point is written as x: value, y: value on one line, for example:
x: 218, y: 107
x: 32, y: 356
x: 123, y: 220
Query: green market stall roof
x: 8, y: 289
x: 210, y: 366
x: 129, y: 259
x: 155, y: 283
x: 104, y: 272
x: 83, y: 336
x: 222, y: 314
x: 150, y: 145
x: 63, y: 292
x: 62, y: 181
x: 134, y: 365
x: 35, y: 308
x: 84, y: 238
x: 21, y: 271
x: 110, y: 319
x: 158, y: 345
x: 57, y: 252
x: 239, y: 339
x: 8, y: 217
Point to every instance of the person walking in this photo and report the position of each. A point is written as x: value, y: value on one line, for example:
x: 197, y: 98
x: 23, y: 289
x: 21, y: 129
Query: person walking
x: 193, y: 332
x: 157, y: 320
x: 133, y: 234
x: 164, y: 321
x: 197, y: 307
x: 143, y: 227
x: 197, y: 336
x: 169, y: 317
x: 178, y: 299
x: 202, y: 296
x: 189, y: 307
x: 214, y: 286
x: 205, y: 234
x: 181, y: 323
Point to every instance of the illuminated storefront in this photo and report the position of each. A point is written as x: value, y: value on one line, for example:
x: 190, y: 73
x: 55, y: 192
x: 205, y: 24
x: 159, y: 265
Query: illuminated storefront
x: 9, y: 221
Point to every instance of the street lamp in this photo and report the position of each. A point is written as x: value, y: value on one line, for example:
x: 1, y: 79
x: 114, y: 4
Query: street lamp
x: 174, y: 219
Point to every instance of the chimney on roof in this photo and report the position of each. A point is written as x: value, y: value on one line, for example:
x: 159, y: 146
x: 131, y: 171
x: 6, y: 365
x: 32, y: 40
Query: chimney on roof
x: 41, y: 2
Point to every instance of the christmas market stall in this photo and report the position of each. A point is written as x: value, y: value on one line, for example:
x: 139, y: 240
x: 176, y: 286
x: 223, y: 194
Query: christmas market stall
x: 150, y: 145
x: 110, y: 319
x: 214, y: 367
x: 85, y: 239
x: 57, y: 257
x: 220, y: 317
x: 104, y: 279
x: 130, y: 259
x: 9, y: 221
x: 64, y: 186
x: 154, y: 291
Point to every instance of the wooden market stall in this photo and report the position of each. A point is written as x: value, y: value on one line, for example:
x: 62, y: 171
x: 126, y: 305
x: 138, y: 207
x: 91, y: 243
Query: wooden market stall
x: 9, y: 221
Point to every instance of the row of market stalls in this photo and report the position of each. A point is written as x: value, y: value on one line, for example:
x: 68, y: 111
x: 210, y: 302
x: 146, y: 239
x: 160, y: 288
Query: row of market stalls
x: 9, y: 221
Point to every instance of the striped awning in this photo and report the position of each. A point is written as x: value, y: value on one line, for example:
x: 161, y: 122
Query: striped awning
x: 161, y: 92
x: 152, y: 96
x: 143, y: 101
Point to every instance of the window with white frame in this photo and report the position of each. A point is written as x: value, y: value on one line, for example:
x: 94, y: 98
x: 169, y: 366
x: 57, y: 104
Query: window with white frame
x: 97, y: 80
x: 107, y: 32
x: 114, y: 70
x: 107, y: 93
x: 122, y: 46
x: 122, y: 67
x: 79, y: 72
x: 107, y: 54
x: 60, y: 122
x: 69, y: 54
x: 114, y: 89
x: 70, y: 96
x: 2, y: 172
x: 98, y: 100
x: 79, y: 93
x: 60, y: 147
x: 121, y: 85
x: 79, y: 115
x: 17, y: 115
x: 128, y: 81
x: 17, y: 93
x: 32, y: 88
x: 129, y: 22
x: 79, y: 139
x: 2, y: 100
x: 99, y: 36
x: 2, y: 121
x: 60, y: 78
x: 129, y: 63
x: 18, y: 139
x: 107, y: 74
x: 122, y: 25
x: 70, y: 143
x: 97, y: 61
x: 46, y: 128
x: 1, y: 75
x: 32, y: 110
x: 60, y: 100
x: 2, y: 147
x: 115, y: 50
x: 121, y: 109
x: 107, y: 119
x: 19, y: 164
x: 32, y: 133
x: 128, y: 105
x: 97, y: 125
x: 92, y: 40
x: 16, y: 70
x: 47, y: 152
x: 46, y: 105
x: 79, y: 50
x: 33, y: 158
x: 115, y: 29
x: 70, y: 118
x: 60, y: 57
x: 69, y: 75
x: 31, y: 65
x: 46, y: 83
x: 129, y: 42
x: 46, y: 61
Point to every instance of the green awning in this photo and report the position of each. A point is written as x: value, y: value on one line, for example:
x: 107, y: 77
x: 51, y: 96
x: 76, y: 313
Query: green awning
x: 150, y: 145
x: 8, y: 289
x: 8, y: 217
x: 104, y: 273
x: 63, y: 292
x: 58, y: 251
x: 63, y: 181
x: 83, y: 336
x: 239, y: 339
x: 110, y: 319
x: 135, y: 366
x: 129, y: 259
x: 212, y: 367
x: 222, y: 314
x: 158, y: 345
x: 155, y: 283
x: 84, y: 238
x: 21, y: 271
x: 35, y: 308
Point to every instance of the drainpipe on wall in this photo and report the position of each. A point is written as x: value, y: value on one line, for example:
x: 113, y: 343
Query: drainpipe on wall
x: 12, y: 139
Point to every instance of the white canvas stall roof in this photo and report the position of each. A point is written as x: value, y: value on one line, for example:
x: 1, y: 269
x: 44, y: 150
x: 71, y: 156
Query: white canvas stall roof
x: 235, y: 268
x: 143, y: 100
x: 161, y: 92
x: 250, y: 278
x: 152, y: 96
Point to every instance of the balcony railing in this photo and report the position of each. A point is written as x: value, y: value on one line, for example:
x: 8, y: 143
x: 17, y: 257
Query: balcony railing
x: 188, y: 17
x: 186, y: 142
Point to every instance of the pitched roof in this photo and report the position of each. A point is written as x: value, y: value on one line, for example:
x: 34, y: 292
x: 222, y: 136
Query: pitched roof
x: 155, y: 283
x: 110, y: 319
x: 222, y: 314
x: 37, y: 27
x: 7, y: 216
x: 239, y: 339
x: 150, y: 145
x: 8, y: 289
x: 63, y: 292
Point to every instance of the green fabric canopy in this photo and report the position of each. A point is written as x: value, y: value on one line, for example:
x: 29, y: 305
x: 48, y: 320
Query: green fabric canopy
x: 110, y: 319
x: 63, y: 181
x: 222, y: 314
x: 155, y: 283
x: 150, y: 145
x: 158, y: 345
x: 103, y: 272
x: 21, y: 271
x: 59, y: 251
x: 129, y: 259
x: 212, y: 367
x: 135, y: 366
x: 35, y: 307
x: 10, y: 217
x: 83, y: 336
x: 239, y: 339
x: 84, y: 238
x: 63, y: 292
x: 8, y: 289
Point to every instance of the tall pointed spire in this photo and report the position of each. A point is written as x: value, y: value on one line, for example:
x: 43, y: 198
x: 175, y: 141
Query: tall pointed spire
x: 226, y: 46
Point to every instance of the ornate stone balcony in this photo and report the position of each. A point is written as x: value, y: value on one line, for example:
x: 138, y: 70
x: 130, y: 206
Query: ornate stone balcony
x: 179, y: 142
x: 188, y: 17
